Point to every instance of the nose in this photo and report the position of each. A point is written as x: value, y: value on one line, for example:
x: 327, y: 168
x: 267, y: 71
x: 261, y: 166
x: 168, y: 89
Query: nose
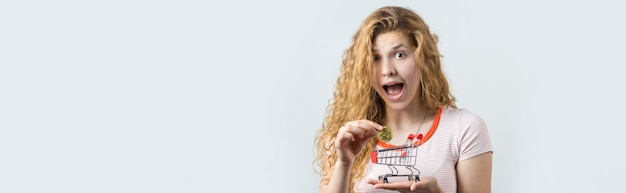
x: 388, y: 68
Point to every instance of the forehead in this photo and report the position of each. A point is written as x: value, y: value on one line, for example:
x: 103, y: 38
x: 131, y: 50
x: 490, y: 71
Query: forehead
x: 389, y: 40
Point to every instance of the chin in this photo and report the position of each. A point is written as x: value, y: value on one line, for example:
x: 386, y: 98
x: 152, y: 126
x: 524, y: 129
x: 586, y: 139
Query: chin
x: 396, y: 106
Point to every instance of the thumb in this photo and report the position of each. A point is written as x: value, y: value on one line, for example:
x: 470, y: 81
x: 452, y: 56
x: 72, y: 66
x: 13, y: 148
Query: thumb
x: 414, y: 186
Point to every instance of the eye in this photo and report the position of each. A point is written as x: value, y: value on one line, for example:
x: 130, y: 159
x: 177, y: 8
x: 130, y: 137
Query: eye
x: 375, y: 58
x: 400, y: 55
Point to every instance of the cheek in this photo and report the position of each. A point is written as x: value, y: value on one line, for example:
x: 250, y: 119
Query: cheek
x: 413, y: 77
x: 375, y: 71
x: 375, y: 83
x: 409, y: 72
x: 374, y: 77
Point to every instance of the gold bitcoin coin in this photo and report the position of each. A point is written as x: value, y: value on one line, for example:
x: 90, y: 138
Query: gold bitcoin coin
x: 385, y: 135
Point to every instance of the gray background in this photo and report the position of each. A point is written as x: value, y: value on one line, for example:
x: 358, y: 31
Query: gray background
x: 196, y: 96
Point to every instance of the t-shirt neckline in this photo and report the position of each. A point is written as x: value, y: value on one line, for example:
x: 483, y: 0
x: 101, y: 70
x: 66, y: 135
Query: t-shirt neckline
x: 429, y: 134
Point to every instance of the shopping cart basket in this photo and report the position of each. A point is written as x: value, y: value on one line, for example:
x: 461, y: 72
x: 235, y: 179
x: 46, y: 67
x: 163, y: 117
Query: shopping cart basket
x: 399, y: 156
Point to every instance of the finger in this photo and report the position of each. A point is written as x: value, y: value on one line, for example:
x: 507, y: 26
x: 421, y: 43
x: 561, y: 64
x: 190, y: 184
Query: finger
x: 405, y: 185
x: 361, y: 133
x: 343, y: 136
x: 373, y: 124
x: 423, y: 183
x: 377, y: 126
x: 414, y: 186
x: 350, y: 136
x: 360, y: 129
x: 373, y: 181
x: 347, y: 136
x: 355, y: 130
x: 366, y: 124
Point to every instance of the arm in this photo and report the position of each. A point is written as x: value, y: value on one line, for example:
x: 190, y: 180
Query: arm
x: 474, y: 174
x: 350, y: 140
x: 339, y: 180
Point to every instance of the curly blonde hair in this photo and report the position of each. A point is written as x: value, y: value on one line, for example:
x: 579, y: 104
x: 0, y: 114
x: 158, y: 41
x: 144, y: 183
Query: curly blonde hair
x: 355, y: 99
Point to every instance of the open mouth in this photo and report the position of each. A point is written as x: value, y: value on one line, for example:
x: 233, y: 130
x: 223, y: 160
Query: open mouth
x: 394, y: 91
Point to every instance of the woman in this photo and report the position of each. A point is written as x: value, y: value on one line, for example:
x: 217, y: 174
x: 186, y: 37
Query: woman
x: 391, y: 75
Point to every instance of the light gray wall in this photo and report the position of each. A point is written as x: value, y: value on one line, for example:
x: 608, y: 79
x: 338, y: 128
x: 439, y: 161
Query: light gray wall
x: 194, y: 96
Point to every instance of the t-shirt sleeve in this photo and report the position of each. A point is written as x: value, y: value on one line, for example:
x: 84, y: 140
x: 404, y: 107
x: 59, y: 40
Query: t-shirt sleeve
x: 474, y: 136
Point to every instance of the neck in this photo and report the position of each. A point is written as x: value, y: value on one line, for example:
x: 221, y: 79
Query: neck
x: 408, y: 119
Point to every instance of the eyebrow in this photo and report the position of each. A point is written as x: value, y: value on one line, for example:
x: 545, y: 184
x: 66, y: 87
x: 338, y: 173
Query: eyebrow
x: 394, y: 47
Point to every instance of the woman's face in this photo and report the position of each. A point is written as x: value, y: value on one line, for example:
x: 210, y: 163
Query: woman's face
x: 395, y: 75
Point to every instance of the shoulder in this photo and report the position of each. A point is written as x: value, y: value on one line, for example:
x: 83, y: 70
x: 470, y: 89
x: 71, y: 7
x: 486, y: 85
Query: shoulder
x: 460, y: 116
x: 466, y: 124
x: 473, y: 135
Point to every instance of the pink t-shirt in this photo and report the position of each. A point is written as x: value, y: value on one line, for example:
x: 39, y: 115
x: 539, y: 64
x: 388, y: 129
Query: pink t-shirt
x: 456, y: 135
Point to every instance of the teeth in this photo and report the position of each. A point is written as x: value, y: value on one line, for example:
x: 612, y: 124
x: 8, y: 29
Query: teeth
x: 393, y: 89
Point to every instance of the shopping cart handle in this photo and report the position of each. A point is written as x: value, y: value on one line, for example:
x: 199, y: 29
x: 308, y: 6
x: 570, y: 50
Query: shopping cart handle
x: 374, y: 156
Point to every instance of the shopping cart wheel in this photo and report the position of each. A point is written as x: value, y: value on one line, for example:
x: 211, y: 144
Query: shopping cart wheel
x: 383, y: 178
x: 417, y: 178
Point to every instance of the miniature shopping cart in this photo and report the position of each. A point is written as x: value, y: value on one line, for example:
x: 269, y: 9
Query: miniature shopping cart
x: 399, y: 156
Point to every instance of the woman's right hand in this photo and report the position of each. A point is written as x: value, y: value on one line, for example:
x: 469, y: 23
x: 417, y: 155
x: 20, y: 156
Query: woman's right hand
x: 352, y: 138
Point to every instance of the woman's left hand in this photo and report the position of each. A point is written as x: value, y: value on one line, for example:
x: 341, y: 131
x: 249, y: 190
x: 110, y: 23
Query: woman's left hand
x: 425, y: 185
